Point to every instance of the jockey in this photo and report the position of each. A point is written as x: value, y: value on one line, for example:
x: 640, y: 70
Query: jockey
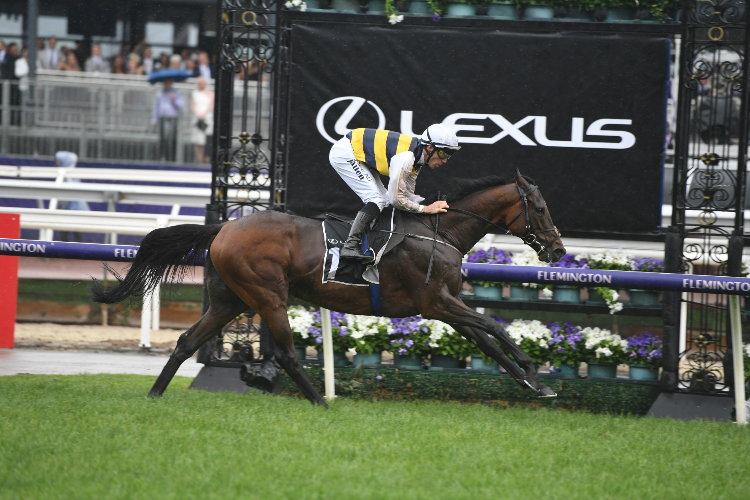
x: 364, y: 153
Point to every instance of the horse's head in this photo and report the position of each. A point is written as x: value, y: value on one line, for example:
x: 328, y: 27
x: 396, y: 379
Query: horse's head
x: 534, y: 224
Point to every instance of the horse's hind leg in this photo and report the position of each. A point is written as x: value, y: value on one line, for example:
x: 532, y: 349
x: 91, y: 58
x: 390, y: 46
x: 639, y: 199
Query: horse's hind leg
x: 225, y: 305
x: 284, y: 353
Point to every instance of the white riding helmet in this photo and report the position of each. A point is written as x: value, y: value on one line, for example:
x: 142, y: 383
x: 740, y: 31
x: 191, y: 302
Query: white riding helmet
x: 440, y: 136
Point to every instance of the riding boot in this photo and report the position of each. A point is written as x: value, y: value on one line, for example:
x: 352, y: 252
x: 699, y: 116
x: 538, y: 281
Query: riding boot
x: 353, y: 247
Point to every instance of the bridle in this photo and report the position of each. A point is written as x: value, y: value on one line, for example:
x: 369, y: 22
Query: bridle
x: 530, y: 236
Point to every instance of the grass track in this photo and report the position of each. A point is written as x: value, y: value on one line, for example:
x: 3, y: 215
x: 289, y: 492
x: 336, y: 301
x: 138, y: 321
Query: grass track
x: 98, y: 436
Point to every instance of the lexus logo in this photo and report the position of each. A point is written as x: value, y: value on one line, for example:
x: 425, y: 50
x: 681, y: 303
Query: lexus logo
x: 342, y: 124
x: 507, y: 128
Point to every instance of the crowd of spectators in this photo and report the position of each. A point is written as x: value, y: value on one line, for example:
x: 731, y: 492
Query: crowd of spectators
x: 138, y: 60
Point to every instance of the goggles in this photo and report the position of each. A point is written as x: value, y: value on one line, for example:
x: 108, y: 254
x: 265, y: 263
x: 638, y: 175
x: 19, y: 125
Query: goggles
x: 445, y: 154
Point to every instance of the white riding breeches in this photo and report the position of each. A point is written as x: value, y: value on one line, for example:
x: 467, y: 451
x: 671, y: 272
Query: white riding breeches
x: 363, y: 181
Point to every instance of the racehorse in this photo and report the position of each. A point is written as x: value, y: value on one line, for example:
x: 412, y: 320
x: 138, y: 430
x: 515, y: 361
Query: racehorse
x: 261, y: 259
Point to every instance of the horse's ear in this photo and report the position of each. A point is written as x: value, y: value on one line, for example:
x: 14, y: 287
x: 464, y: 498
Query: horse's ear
x: 519, y: 178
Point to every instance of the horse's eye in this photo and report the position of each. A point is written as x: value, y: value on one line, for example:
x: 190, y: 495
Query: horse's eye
x: 540, y: 210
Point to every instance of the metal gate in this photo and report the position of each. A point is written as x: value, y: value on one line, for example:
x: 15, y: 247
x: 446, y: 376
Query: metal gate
x: 250, y: 158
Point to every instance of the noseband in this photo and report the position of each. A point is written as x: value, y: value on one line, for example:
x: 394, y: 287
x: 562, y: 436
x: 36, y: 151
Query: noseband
x: 530, y: 235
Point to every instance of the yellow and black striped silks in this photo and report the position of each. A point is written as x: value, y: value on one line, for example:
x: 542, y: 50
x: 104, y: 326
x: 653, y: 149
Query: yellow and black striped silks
x: 375, y: 148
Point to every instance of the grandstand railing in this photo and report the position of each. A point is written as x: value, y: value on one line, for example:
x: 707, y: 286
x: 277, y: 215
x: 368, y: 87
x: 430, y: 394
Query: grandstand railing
x: 97, y: 116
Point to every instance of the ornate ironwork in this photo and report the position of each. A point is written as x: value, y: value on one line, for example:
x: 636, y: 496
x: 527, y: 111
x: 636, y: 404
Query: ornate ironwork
x: 248, y: 166
x: 709, y: 176
x: 239, y: 342
x: 248, y: 171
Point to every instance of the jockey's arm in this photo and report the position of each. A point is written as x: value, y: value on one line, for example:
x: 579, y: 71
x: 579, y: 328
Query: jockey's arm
x: 403, y: 182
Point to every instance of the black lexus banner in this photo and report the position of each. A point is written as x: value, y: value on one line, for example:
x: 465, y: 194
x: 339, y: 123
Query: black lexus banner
x: 583, y: 115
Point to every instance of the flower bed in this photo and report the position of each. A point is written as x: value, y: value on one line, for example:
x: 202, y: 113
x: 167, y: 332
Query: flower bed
x: 595, y: 10
x: 562, y: 344
x: 605, y: 260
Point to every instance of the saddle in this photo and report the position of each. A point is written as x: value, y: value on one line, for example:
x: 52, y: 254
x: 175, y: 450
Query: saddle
x: 377, y: 241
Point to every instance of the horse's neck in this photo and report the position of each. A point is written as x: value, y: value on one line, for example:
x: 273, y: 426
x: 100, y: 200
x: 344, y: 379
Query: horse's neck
x: 493, y: 204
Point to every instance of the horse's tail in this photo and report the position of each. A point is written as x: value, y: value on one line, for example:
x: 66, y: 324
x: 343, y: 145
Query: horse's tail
x: 164, y: 253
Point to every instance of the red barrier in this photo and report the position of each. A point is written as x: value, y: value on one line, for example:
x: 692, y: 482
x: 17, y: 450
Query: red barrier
x: 10, y: 227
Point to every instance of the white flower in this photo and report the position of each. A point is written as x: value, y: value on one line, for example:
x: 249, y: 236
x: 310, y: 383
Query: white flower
x: 546, y: 292
x: 614, y: 307
x: 747, y: 350
x: 597, y: 337
x: 527, y: 258
x: 352, y: 351
x: 296, y: 2
x: 394, y: 19
x: 300, y: 320
x: 288, y: 5
x: 303, y: 7
x: 619, y: 257
x: 360, y: 326
x: 603, y: 350
x: 433, y: 344
x: 533, y: 330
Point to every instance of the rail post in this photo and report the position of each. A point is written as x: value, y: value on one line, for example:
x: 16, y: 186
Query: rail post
x: 671, y: 312
x: 325, y: 323
x: 739, y: 372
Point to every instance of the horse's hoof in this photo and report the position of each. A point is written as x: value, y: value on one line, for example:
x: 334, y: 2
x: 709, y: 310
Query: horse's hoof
x: 152, y: 395
x: 546, y: 392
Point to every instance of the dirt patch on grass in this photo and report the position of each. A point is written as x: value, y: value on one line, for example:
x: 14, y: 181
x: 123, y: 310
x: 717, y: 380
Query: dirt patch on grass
x: 54, y: 335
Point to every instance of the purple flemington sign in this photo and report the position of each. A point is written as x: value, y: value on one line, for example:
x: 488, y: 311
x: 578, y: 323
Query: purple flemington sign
x: 479, y: 272
x: 62, y: 250
x: 611, y: 279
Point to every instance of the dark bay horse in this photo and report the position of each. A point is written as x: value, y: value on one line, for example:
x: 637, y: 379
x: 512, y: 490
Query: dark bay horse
x: 262, y: 259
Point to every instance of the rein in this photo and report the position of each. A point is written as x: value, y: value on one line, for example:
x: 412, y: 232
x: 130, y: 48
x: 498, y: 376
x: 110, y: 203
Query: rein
x: 530, y: 236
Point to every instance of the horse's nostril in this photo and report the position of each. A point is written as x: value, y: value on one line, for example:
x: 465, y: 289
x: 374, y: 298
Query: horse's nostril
x: 559, y: 253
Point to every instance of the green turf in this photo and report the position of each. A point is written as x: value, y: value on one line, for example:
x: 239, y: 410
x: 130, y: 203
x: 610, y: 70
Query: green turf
x: 98, y: 436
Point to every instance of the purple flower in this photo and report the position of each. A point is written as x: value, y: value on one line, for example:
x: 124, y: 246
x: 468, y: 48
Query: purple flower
x: 560, y: 349
x: 379, y: 377
x: 409, y: 343
x: 648, y: 265
x: 318, y: 340
x: 435, y: 18
x: 490, y: 256
x: 401, y: 352
x: 656, y: 353
x: 569, y: 262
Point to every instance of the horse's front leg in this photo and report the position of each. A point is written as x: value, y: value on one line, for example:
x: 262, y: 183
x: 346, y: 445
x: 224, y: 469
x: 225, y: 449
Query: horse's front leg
x: 451, y: 310
x: 488, y: 346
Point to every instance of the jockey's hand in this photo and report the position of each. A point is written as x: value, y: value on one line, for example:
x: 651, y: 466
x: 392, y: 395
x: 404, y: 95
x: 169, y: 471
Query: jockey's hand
x: 436, y: 208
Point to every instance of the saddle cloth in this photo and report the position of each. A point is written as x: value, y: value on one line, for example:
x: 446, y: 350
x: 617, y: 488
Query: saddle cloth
x: 376, y: 242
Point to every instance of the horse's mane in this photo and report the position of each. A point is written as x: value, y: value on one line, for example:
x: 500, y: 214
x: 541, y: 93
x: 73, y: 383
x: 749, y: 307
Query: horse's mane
x: 461, y: 188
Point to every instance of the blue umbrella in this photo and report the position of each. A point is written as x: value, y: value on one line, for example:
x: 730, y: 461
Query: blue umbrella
x: 176, y: 75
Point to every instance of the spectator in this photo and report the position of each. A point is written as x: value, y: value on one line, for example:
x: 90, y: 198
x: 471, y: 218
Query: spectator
x: 163, y: 62
x: 118, y: 66
x: 134, y: 64
x: 2, y: 51
x: 8, y: 72
x: 190, y: 66
x: 204, y: 69
x: 95, y: 63
x: 185, y: 56
x: 49, y: 59
x: 148, y: 61
x: 8, y: 66
x: 175, y: 62
x: 202, y: 106
x: 69, y: 160
x: 69, y: 63
x: 166, y: 114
